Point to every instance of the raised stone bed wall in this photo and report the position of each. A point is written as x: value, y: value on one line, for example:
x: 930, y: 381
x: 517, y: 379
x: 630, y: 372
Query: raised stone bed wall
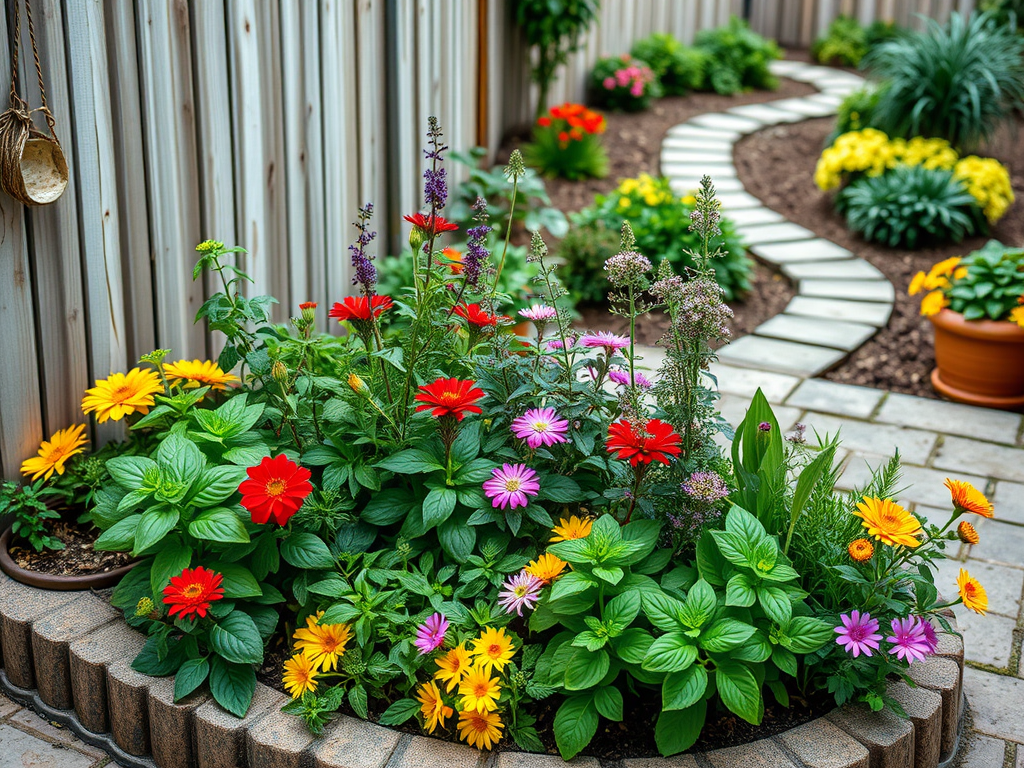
x: 68, y: 656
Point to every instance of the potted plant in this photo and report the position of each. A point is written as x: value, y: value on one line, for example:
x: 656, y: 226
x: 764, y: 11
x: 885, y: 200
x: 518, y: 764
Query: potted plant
x: 975, y: 305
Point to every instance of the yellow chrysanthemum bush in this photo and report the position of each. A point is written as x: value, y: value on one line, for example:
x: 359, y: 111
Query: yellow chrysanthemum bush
x: 985, y: 284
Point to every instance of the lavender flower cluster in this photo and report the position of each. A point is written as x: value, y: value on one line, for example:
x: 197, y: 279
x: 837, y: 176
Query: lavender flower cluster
x: 627, y: 268
x: 435, y: 188
x: 362, y: 262
x: 704, y: 312
x: 476, y: 253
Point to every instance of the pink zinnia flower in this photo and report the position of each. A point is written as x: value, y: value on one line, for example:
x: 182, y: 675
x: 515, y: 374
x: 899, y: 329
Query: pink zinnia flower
x: 540, y: 426
x: 539, y: 312
x: 556, y: 344
x: 620, y: 376
x: 622, y: 76
x: 511, y: 485
x: 908, y: 640
x: 430, y: 634
x: 605, y: 340
x: 929, y: 635
x: 637, y: 89
x: 609, y: 83
x: 520, y: 591
x: 859, y: 633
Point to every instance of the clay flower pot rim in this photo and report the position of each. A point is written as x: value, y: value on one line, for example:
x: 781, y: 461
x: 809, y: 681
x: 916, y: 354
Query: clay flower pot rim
x: 987, y: 329
x: 52, y: 581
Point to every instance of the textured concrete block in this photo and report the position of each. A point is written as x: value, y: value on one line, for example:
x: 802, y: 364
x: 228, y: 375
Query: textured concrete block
x: 528, y: 760
x: 128, y: 707
x: 19, y: 606
x: 835, y: 334
x: 888, y: 737
x: 20, y: 748
x: 697, y: 167
x: 676, y: 761
x: 805, y: 107
x: 942, y: 676
x: 847, y: 269
x: 830, y: 397
x: 421, y: 752
x: 89, y: 657
x: 690, y: 131
x: 924, y: 708
x: 959, y: 454
x: 951, y: 418
x: 352, y: 743
x: 220, y: 736
x: 689, y: 184
x: 820, y: 744
x: 766, y: 114
x: 745, y: 382
x: 997, y: 703
x: 867, y: 439
x: 748, y: 216
x: 815, y: 250
x: 869, y: 313
x: 691, y: 143
x: 170, y: 724
x: 719, y: 121
x: 782, y: 232
x: 278, y: 741
x: 757, y: 754
x: 849, y: 290
x: 781, y: 356
x: 51, y: 636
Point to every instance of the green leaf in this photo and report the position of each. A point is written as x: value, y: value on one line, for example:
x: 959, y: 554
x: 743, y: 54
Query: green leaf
x: 575, y: 725
x: 306, y: 550
x: 181, y: 463
x: 238, y: 581
x: 643, y: 535
x: 571, y: 584
x: 457, y: 538
x: 388, y: 506
x: 700, y: 605
x: 438, y: 506
x: 399, y: 712
x: 677, y: 730
x: 611, y: 575
x: 156, y: 523
x: 236, y: 638
x: 171, y: 560
x: 559, y: 489
x: 662, y: 611
x: 410, y: 462
x: 672, y: 652
x: 120, y: 537
x: 129, y: 471
x: 219, y: 524
x: 215, y: 484
x: 190, y: 676
x: 724, y: 635
x: 806, y: 634
x: 586, y: 669
x: 623, y: 608
x: 684, y: 689
x: 232, y: 685
x: 776, y: 603
x: 608, y: 701
x: 739, y: 690
x: 740, y: 592
x: 736, y: 549
x: 632, y: 645
x: 784, y: 660
x: 809, y: 478
x: 780, y: 572
x: 358, y: 700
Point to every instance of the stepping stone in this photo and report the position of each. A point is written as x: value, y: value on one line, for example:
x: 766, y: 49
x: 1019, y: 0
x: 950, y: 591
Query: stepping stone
x: 691, y: 131
x: 849, y: 269
x: 748, y: 216
x: 844, y: 400
x: 827, y: 99
x: 811, y: 73
x: 784, y: 68
x: 816, y: 331
x: 847, y: 84
x: 687, y: 185
x: 699, y: 168
x: 785, y: 232
x: 805, y: 250
x: 855, y: 290
x: 719, y: 121
x: 732, y: 201
x: 781, y: 356
x: 697, y: 156
x: 805, y: 107
x: 866, y: 312
x: 690, y: 144
x: 765, y: 113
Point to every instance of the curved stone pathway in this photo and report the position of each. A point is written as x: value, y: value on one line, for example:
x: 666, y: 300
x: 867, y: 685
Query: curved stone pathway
x: 841, y: 300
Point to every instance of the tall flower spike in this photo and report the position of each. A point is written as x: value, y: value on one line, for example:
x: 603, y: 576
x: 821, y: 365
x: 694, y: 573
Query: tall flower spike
x: 476, y: 251
x: 362, y: 262
x: 516, y: 168
x: 435, y: 188
x: 628, y: 239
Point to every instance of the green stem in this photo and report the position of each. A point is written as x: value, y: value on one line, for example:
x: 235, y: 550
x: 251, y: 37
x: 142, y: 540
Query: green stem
x: 508, y: 235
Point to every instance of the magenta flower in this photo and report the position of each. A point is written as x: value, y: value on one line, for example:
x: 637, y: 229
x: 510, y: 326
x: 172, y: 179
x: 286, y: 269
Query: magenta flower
x: 520, y: 591
x: 859, y: 633
x: 620, y: 376
x: 556, y: 344
x: 609, y: 83
x: 908, y: 640
x: 605, y: 340
x: 929, y: 635
x: 540, y: 426
x: 540, y: 312
x: 430, y: 634
x: 511, y: 485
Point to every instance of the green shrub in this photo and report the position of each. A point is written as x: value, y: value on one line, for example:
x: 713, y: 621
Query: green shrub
x: 737, y: 58
x: 910, y: 206
x: 622, y: 83
x: 957, y: 82
x: 678, y: 68
x: 856, y: 112
x: 661, y: 224
x: 567, y: 143
x: 1005, y: 11
x: 845, y: 43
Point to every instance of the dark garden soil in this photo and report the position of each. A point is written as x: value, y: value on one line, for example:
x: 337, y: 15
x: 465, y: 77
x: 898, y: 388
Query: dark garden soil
x: 78, y: 558
x: 777, y: 165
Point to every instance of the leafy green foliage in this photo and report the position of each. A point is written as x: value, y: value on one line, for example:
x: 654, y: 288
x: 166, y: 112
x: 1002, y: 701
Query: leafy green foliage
x: 856, y: 112
x: 27, y: 504
x: 993, y: 284
x: 679, y: 68
x: 910, y: 207
x: 846, y: 42
x: 737, y: 58
x: 623, y: 83
x: 959, y: 82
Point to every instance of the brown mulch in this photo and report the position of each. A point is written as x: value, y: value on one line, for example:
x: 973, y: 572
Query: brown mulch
x: 78, y: 558
x: 777, y: 165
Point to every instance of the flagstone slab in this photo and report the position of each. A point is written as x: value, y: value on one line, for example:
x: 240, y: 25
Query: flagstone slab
x: 783, y: 232
x: 696, y: 157
x: 687, y: 185
x: 699, y: 168
x: 691, y: 131
x: 805, y: 106
x: 745, y: 382
x: 721, y: 121
x: 690, y: 143
x: 857, y: 290
x: 817, y: 249
x: 811, y: 73
x: 836, y: 334
x: 841, y: 399
x: 828, y: 99
x: 785, y: 68
x: 780, y: 356
x: 869, y: 313
x: 738, y: 200
x: 748, y: 216
x: 952, y: 418
x: 765, y: 113
x: 849, y: 269
x: 869, y: 442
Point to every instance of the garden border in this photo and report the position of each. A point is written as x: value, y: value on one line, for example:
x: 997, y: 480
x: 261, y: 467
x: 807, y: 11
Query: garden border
x: 841, y: 300
x: 67, y: 655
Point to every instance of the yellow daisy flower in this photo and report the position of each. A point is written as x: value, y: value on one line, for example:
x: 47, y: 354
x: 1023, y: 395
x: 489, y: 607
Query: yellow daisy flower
x: 967, y: 498
x: 453, y: 665
x: 888, y: 522
x: 433, y: 708
x: 480, y: 729
x: 933, y: 303
x: 972, y: 593
x: 573, y: 528
x: 122, y: 394
x: 299, y: 675
x: 547, y: 567
x: 196, y: 373
x: 323, y: 644
x: 917, y: 284
x: 1017, y: 316
x: 62, y: 445
x: 479, y: 690
x: 492, y: 650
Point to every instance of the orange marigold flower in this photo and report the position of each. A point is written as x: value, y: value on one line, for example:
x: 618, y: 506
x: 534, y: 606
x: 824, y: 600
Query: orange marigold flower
x: 480, y: 729
x: 299, y: 675
x: 888, y: 522
x: 432, y: 706
x: 972, y: 593
x: 547, y: 567
x: 53, y: 453
x: 573, y: 528
x: 967, y: 498
x: 861, y: 550
x: 967, y: 533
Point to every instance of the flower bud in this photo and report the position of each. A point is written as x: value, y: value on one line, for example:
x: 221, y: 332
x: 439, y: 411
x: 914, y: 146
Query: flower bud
x: 967, y: 533
x: 417, y: 237
x: 144, y: 607
x: 308, y: 309
x: 279, y: 371
x: 357, y: 384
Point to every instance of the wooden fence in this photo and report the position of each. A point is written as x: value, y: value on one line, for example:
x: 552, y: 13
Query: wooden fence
x: 264, y: 123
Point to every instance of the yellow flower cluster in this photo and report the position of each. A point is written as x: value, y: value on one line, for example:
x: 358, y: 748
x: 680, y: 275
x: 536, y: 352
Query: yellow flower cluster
x: 318, y: 647
x: 868, y: 151
x: 988, y: 181
x: 645, y: 187
x: 937, y: 281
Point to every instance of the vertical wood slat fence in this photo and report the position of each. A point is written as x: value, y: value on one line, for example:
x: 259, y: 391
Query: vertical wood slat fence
x: 264, y: 123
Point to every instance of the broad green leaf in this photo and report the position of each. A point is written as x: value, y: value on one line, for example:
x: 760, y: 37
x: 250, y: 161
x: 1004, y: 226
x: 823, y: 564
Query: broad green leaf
x: 684, y: 689
x: 608, y: 701
x: 399, y: 712
x: 662, y: 611
x: 171, y: 560
x: 388, y: 506
x: 156, y: 523
x: 129, y: 471
x: 672, y: 652
x: 784, y: 660
x: 740, y: 591
x: 457, y: 538
x: 219, y: 524
x: 632, y: 645
x: 571, y: 584
x: 411, y: 462
x: 612, y: 575
x: 120, y: 537
x: 700, y: 605
x: 438, y: 506
x: 806, y: 634
x: 215, y: 484
x: 776, y: 603
x: 306, y: 550
x: 677, y: 730
x: 739, y: 690
x: 190, y: 675
x: 236, y: 638
x: 232, y: 685
x: 623, y: 608
x: 238, y: 580
x: 586, y: 669
x: 734, y: 548
x: 724, y: 635
x: 575, y: 725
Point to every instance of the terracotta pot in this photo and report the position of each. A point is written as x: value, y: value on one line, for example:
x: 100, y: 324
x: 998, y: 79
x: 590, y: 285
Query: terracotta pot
x: 59, y: 583
x: 980, y: 362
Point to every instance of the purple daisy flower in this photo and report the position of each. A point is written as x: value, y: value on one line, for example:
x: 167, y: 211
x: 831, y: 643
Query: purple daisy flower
x: 539, y: 312
x: 620, y: 376
x: 908, y: 640
x: 929, y: 635
x: 430, y: 634
x: 540, y: 426
x: 859, y: 633
x: 556, y: 344
x: 520, y: 591
x: 511, y: 485
x: 609, y: 342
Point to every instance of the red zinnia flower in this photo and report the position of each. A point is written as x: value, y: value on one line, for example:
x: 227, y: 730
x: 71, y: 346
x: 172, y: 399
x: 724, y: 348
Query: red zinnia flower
x: 544, y: 121
x: 192, y: 592
x: 307, y: 305
x: 429, y: 224
x: 656, y: 443
x: 275, y: 488
x: 475, y: 315
x: 449, y: 397
x: 358, y: 307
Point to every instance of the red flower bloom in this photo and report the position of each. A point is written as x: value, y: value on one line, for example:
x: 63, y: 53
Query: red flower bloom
x: 475, y: 315
x: 656, y: 443
x: 275, y: 488
x: 307, y: 305
x: 544, y: 121
x: 428, y: 224
x: 358, y: 307
x: 192, y: 592
x: 449, y: 397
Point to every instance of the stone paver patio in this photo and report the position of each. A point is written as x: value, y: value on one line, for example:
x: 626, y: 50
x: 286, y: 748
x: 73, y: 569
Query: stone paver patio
x: 29, y: 741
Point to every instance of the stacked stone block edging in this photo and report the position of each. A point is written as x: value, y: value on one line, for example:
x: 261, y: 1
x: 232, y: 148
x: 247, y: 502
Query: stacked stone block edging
x: 841, y: 299
x: 76, y: 654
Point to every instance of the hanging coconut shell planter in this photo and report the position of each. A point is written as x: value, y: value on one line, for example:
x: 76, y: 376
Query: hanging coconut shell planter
x: 32, y: 166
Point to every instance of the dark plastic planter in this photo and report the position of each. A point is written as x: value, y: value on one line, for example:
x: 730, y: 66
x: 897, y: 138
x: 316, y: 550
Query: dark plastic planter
x: 59, y: 583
